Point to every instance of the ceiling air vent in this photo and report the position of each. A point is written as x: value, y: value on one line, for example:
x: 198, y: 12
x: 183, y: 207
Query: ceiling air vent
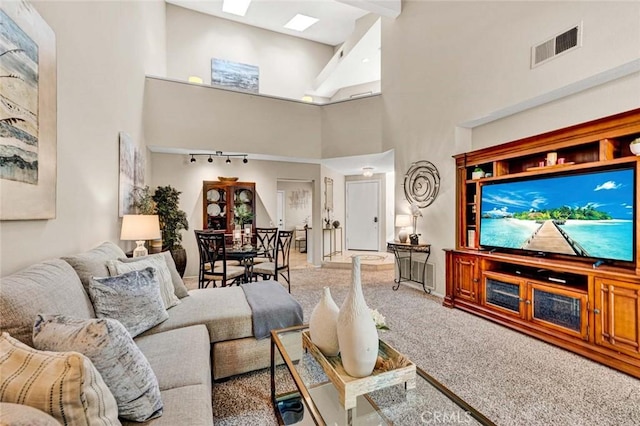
x: 561, y: 43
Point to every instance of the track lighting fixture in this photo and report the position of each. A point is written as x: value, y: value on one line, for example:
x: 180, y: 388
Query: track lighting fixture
x: 220, y: 154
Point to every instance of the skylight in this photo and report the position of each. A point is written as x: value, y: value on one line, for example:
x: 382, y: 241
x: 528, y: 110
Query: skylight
x: 236, y: 7
x: 300, y: 22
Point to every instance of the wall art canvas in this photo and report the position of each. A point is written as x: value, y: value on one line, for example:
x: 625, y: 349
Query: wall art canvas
x: 132, y: 171
x: 235, y: 75
x: 28, y: 108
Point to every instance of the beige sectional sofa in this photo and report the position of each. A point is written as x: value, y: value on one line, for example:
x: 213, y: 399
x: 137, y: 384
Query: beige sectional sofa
x: 208, y: 335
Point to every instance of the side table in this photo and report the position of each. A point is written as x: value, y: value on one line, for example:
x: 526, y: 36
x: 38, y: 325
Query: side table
x: 403, y: 253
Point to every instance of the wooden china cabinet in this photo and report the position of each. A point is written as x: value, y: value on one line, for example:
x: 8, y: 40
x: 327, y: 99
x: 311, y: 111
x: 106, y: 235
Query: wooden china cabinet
x: 221, y: 200
x: 591, y: 308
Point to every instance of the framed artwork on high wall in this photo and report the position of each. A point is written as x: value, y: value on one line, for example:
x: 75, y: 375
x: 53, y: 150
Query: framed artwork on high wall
x: 235, y: 75
x: 28, y: 114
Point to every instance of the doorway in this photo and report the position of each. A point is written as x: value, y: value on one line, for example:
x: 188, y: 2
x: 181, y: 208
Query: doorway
x: 280, y: 210
x: 363, y: 215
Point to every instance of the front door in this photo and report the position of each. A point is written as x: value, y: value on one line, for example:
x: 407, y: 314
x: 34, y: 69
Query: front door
x: 280, y: 210
x: 363, y: 215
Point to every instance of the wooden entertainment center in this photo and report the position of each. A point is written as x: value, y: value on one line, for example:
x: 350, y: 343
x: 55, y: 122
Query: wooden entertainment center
x: 580, y: 304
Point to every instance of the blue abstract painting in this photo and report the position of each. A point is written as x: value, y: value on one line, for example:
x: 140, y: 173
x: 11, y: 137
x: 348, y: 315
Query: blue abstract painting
x: 235, y: 75
x: 18, y: 103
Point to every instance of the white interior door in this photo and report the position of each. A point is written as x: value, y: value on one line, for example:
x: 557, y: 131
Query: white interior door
x: 280, y: 210
x: 363, y: 215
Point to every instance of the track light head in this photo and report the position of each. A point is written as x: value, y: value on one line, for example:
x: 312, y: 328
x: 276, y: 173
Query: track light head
x: 210, y: 159
x: 228, y: 160
x: 193, y: 159
x: 244, y: 160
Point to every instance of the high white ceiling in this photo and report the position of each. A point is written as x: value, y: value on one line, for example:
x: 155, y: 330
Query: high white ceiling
x: 336, y: 17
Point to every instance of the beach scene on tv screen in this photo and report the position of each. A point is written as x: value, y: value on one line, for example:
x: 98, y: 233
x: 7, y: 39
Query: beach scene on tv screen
x: 587, y: 215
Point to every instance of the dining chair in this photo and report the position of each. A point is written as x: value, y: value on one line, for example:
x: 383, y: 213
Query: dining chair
x: 279, y: 267
x: 213, y: 264
x: 265, y: 244
x: 301, y: 238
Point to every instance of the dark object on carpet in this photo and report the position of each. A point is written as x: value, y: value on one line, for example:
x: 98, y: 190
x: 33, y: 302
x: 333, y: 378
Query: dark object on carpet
x: 272, y: 307
x: 291, y: 410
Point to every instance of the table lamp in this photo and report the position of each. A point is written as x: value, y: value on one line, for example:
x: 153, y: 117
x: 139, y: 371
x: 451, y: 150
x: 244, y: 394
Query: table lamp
x: 139, y: 228
x: 402, y: 221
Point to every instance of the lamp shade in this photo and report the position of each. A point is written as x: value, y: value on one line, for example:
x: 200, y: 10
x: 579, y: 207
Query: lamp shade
x: 140, y: 227
x: 403, y: 220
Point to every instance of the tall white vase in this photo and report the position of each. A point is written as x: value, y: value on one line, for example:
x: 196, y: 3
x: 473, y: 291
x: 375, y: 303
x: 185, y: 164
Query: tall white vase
x: 323, y: 325
x: 357, y: 333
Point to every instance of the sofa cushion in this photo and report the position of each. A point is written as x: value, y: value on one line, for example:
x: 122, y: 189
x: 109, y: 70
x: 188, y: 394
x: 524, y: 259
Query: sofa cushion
x: 132, y: 298
x: 187, y: 405
x: 92, y: 263
x: 224, y: 311
x: 169, y: 299
x: 180, y: 290
x: 179, y: 357
x: 65, y: 385
x: 23, y: 415
x: 49, y: 287
x: 112, y: 351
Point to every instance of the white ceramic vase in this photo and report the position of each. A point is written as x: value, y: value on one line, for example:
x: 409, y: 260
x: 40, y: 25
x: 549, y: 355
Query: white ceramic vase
x: 357, y: 333
x: 323, y: 325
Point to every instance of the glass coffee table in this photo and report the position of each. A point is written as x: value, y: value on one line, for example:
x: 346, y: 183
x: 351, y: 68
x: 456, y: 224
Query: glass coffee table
x: 302, y: 394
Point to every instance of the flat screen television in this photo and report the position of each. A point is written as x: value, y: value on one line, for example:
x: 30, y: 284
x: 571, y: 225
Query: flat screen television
x: 589, y: 214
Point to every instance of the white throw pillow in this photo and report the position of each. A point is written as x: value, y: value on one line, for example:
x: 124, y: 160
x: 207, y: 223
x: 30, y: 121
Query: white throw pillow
x: 65, y: 385
x: 169, y: 299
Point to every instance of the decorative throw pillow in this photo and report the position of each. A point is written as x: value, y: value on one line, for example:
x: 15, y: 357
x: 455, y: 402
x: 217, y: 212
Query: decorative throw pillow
x: 179, y: 289
x: 132, y: 298
x: 169, y: 298
x: 23, y: 415
x: 112, y: 351
x: 65, y: 385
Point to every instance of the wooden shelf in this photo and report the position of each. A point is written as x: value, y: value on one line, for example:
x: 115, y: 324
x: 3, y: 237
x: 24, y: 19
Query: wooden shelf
x: 555, y: 166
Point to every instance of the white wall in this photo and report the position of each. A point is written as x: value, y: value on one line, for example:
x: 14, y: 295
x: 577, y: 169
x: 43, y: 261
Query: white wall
x: 443, y: 66
x: 104, y: 50
x: 297, y: 203
x: 187, y: 177
x: 288, y: 65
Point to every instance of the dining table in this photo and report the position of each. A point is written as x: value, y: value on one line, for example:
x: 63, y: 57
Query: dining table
x: 245, y: 255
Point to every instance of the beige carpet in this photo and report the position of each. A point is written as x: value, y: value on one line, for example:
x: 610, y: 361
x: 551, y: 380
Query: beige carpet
x: 509, y: 377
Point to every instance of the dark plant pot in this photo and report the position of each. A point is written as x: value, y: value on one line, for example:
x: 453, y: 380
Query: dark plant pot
x: 180, y: 258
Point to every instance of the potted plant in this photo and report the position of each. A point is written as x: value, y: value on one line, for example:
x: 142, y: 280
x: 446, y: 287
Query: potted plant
x: 634, y: 146
x: 477, y: 173
x: 242, y: 214
x: 172, y: 222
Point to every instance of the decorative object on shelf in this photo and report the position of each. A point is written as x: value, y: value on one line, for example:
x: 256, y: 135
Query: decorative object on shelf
x: 140, y: 228
x: 402, y: 222
x: 242, y: 214
x: 220, y: 154
x: 28, y: 91
x: 477, y: 173
x: 226, y: 179
x: 357, y: 333
x: 634, y: 146
x: 561, y: 160
x: 390, y: 364
x: 421, y: 183
x: 172, y: 222
x: 323, y: 324
x: 336, y: 224
x: 552, y: 158
x: 414, y: 239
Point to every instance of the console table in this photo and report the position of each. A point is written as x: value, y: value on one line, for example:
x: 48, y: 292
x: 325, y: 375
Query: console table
x: 330, y: 234
x: 403, y: 253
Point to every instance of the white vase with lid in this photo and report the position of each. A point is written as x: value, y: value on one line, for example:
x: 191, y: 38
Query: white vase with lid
x: 323, y: 328
x: 357, y: 333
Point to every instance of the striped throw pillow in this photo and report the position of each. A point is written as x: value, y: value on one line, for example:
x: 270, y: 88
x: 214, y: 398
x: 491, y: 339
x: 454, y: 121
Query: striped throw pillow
x: 65, y: 385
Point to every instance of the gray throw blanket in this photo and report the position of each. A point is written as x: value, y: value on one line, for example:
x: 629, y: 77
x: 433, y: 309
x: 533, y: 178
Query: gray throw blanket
x: 272, y: 307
